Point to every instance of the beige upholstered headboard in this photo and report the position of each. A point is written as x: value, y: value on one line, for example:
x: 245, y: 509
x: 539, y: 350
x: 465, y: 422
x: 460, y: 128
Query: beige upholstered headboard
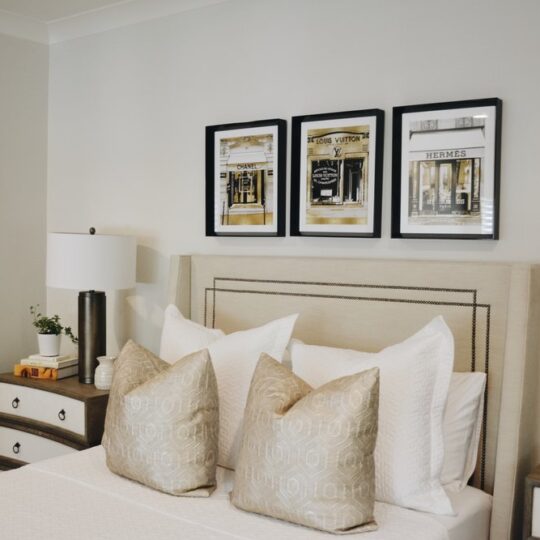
x: 492, y: 310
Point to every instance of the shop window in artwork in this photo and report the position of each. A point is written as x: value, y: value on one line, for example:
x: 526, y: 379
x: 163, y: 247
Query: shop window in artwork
x: 439, y: 187
x: 336, y: 181
x: 246, y: 187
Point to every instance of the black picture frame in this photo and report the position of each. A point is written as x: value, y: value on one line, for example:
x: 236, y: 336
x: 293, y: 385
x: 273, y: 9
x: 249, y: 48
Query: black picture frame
x: 250, y: 173
x: 460, y: 142
x: 303, y: 189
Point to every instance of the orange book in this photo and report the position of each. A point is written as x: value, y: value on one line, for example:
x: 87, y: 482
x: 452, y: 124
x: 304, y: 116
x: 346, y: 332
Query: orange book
x: 53, y: 374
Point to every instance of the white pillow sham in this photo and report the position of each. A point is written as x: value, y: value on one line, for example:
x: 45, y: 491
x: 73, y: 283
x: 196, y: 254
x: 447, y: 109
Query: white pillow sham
x: 462, y: 426
x: 180, y: 336
x: 414, y: 381
x: 234, y: 357
x: 286, y: 360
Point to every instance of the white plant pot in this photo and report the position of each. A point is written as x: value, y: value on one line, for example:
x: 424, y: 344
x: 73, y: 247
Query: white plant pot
x: 104, y: 372
x: 49, y: 344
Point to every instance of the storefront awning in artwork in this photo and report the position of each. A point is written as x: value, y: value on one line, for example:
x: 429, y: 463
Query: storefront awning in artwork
x: 246, y: 157
x: 447, y: 139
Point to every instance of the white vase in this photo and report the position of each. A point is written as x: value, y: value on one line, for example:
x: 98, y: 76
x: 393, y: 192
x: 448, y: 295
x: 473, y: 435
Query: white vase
x: 104, y: 372
x: 49, y: 344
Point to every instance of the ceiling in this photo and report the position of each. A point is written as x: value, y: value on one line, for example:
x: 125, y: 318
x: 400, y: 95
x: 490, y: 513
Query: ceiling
x: 52, y: 10
x: 53, y: 21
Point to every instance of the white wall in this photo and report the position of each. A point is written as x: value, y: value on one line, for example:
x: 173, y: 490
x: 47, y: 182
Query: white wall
x: 128, y: 109
x: 23, y: 168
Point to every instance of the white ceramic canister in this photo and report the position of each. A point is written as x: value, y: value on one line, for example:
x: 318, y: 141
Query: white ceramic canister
x: 104, y: 372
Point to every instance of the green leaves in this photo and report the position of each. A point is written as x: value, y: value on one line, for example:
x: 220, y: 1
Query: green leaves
x: 50, y: 325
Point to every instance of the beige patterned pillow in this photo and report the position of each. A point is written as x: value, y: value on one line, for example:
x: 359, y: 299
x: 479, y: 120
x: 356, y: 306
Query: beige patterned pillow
x: 307, y: 455
x: 162, y: 422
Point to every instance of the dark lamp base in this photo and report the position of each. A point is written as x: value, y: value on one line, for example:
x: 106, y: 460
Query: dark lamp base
x: 92, y: 333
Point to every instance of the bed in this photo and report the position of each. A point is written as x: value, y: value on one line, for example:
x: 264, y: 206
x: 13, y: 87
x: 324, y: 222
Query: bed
x: 78, y: 493
x: 352, y: 303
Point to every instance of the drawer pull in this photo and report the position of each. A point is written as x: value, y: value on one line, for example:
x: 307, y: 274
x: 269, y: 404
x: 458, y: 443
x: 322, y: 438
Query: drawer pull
x: 62, y: 415
x: 16, y: 448
x: 15, y: 403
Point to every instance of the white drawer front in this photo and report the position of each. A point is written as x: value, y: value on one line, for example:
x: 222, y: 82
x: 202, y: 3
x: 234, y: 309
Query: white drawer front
x: 536, y: 513
x: 29, y: 448
x: 53, y: 409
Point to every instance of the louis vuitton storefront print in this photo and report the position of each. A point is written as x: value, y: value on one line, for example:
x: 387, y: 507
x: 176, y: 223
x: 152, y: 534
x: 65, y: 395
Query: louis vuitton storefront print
x: 337, y: 175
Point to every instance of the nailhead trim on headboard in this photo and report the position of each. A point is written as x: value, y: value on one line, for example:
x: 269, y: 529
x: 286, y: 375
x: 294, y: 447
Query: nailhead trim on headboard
x: 223, y: 281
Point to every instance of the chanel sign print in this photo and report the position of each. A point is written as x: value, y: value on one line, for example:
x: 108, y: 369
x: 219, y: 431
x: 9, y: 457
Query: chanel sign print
x: 446, y: 170
x: 245, y: 176
x: 337, y: 174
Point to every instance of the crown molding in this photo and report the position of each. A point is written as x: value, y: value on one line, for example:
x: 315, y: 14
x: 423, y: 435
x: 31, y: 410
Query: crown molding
x: 118, y: 15
x: 22, y: 27
x: 123, y: 13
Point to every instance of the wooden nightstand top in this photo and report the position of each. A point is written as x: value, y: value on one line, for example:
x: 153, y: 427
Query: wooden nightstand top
x: 69, y: 387
x: 534, y: 476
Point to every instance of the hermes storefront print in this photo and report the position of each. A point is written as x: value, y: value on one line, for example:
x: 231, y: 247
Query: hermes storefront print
x: 445, y: 179
x: 448, y: 175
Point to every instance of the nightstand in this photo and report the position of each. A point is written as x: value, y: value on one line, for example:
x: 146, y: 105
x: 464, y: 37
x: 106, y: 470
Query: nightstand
x: 41, y: 419
x: 531, y: 515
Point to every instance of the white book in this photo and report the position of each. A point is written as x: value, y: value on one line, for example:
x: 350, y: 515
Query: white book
x: 68, y: 372
x: 51, y: 358
x: 43, y: 361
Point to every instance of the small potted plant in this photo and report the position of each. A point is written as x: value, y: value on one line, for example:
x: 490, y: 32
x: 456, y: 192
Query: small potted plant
x: 49, y: 332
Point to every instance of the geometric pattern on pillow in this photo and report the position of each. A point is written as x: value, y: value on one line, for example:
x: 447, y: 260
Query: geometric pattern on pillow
x: 234, y: 358
x: 161, y: 427
x: 307, y: 455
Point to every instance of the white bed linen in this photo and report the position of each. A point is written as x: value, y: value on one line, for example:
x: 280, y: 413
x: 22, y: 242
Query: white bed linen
x: 76, y: 496
x: 473, y: 508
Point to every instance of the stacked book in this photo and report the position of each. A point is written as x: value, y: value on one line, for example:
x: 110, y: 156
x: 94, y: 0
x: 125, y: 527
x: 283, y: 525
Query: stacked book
x: 47, y: 367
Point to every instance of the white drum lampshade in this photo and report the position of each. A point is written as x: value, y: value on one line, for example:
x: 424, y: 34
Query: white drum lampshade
x: 91, y: 263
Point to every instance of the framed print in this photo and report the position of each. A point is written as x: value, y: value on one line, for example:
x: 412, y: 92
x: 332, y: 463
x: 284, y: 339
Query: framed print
x: 446, y: 170
x: 336, y: 187
x: 245, y: 178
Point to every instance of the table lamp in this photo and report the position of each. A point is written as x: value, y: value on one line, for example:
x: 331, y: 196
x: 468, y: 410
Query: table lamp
x: 91, y: 263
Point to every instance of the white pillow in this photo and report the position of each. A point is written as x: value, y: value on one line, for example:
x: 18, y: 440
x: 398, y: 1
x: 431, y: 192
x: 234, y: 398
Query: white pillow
x: 180, y: 336
x: 286, y: 360
x: 414, y: 381
x: 234, y: 358
x: 461, y: 428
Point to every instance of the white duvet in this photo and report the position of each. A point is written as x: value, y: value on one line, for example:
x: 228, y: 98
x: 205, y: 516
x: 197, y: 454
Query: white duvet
x: 76, y: 497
